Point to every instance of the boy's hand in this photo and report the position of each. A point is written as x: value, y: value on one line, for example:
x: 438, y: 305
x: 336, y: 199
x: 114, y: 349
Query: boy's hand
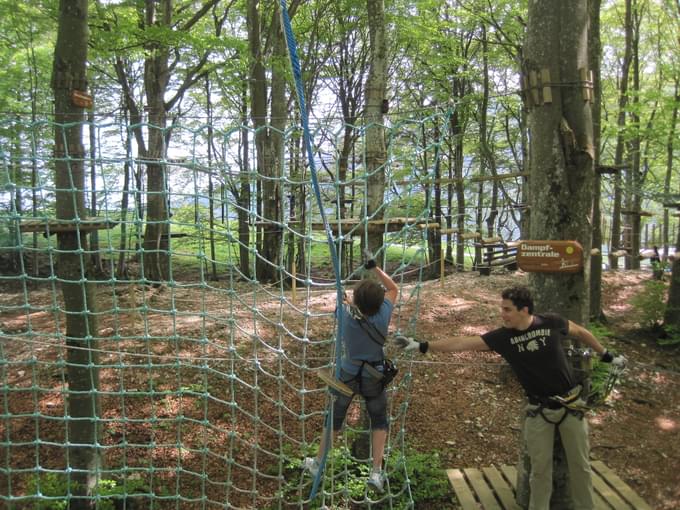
x: 369, y: 261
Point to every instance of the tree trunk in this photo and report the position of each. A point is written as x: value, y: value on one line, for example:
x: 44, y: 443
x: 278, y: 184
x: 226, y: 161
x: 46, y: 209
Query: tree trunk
x: 16, y: 254
x: 457, y: 135
x: 121, y: 268
x: 69, y: 73
x: 488, y: 159
x: 561, y: 162
x: 672, y: 314
x: 594, y: 58
x: 268, y: 270
x: 375, y: 93
x: 669, y: 166
x: 211, y: 187
x: 94, y: 236
x: 244, y: 191
x: 615, y: 242
x: 435, y: 238
x: 634, y: 173
x: 156, y: 256
x: 268, y: 142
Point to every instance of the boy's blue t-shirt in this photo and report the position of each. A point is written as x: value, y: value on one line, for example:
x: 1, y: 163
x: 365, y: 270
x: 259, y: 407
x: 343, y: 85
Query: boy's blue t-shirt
x: 357, y: 342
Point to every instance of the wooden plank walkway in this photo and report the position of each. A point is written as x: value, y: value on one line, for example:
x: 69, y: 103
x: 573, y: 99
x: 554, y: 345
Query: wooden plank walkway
x: 494, y: 489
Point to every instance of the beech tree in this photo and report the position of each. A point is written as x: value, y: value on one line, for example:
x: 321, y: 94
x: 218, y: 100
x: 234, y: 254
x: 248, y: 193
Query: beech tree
x: 560, y: 162
x: 163, y: 63
x: 74, y: 270
x: 375, y: 94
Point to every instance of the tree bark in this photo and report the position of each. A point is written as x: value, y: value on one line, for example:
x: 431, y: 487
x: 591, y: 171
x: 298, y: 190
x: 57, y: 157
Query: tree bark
x: 594, y: 58
x: 74, y: 270
x: 615, y: 242
x: 94, y: 236
x: 672, y: 314
x: 243, y: 197
x: 561, y: 163
x: 376, y: 90
x: 669, y: 167
x: 634, y: 174
x: 16, y: 255
x: 156, y: 255
x: 268, y: 142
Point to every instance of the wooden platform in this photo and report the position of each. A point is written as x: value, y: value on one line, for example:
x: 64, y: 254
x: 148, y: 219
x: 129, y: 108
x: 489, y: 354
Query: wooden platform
x: 494, y: 489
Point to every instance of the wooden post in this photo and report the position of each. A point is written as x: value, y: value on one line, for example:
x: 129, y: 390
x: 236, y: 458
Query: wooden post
x: 293, y: 279
x: 442, y: 266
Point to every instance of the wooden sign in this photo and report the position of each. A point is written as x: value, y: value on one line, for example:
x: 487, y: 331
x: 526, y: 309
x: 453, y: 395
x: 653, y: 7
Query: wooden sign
x: 550, y: 256
x: 81, y: 99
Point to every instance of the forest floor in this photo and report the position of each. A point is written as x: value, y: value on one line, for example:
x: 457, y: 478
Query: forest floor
x: 464, y: 406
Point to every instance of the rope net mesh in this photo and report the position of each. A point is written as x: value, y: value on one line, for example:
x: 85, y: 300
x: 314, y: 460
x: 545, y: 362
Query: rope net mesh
x: 197, y: 372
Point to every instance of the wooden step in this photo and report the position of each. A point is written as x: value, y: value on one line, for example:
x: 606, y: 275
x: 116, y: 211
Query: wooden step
x: 494, y: 489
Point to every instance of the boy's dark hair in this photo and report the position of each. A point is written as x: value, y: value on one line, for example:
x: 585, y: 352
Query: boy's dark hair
x: 369, y: 296
x: 520, y: 297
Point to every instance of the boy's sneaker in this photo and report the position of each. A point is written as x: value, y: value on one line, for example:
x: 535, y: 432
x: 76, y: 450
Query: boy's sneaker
x: 377, y: 481
x: 311, y: 464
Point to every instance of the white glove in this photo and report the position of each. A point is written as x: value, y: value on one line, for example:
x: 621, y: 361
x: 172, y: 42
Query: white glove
x: 406, y: 343
x: 619, y: 361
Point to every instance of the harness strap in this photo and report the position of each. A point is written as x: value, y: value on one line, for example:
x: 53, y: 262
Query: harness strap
x: 374, y: 372
x: 373, y: 333
x: 571, y: 402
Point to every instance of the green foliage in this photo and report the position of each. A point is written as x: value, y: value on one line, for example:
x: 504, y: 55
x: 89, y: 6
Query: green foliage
x: 51, y: 491
x: 427, y: 478
x: 600, y: 371
x: 51, y: 488
x: 425, y: 474
x: 672, y: 338
x: 598, y: 378
x: 109, y: 491
x: 649, y: 304
x: 600, y: 331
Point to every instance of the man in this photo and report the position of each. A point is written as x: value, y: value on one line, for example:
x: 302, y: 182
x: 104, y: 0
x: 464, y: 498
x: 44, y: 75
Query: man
x: 365, y: 329
x: 531, y: 344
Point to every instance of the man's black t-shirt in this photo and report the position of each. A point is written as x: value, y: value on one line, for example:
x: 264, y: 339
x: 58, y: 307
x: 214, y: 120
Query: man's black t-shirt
x: 536, y: 354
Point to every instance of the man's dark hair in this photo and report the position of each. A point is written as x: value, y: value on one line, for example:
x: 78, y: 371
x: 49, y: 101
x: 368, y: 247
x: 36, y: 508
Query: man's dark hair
x: 369, y: 296
x: 520, y: 297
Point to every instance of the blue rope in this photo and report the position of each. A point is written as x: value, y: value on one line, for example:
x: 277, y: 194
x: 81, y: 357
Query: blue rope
x: 297, y: 74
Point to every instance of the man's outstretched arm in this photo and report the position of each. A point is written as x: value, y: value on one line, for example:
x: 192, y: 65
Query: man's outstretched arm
x: 586, y: 337
x: 451, y: 344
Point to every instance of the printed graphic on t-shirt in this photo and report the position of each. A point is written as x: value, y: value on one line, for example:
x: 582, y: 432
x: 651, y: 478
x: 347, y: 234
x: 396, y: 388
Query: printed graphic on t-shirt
x: 531, y: 341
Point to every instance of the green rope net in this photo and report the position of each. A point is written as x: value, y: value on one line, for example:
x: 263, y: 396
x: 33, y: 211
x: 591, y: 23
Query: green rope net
x: 192, y: 382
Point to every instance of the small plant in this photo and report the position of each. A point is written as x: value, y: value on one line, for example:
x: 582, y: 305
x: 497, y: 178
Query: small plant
x: 672, y: 338
x: 649, y: 304
x: 659, y: 267
x: 600, y: 331
x: 110, y: 491
x: 599, y: 376
x: 426, y: 476
x: 599, y: 373
x: 50, y: 491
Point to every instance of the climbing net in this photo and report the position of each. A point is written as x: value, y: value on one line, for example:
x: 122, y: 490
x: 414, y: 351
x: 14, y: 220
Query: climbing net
x: 202, y: 383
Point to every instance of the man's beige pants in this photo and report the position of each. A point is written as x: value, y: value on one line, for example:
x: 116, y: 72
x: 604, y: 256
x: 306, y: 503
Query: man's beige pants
x: 539, y: 436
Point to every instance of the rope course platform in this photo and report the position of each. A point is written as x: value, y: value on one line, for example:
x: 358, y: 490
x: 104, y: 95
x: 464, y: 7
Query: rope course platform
x: 491, y: 488
x: 53, y: 226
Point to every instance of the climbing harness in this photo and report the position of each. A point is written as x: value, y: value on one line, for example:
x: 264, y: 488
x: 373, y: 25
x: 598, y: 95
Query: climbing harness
x: 571, y: 402
x: 389, y: 369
